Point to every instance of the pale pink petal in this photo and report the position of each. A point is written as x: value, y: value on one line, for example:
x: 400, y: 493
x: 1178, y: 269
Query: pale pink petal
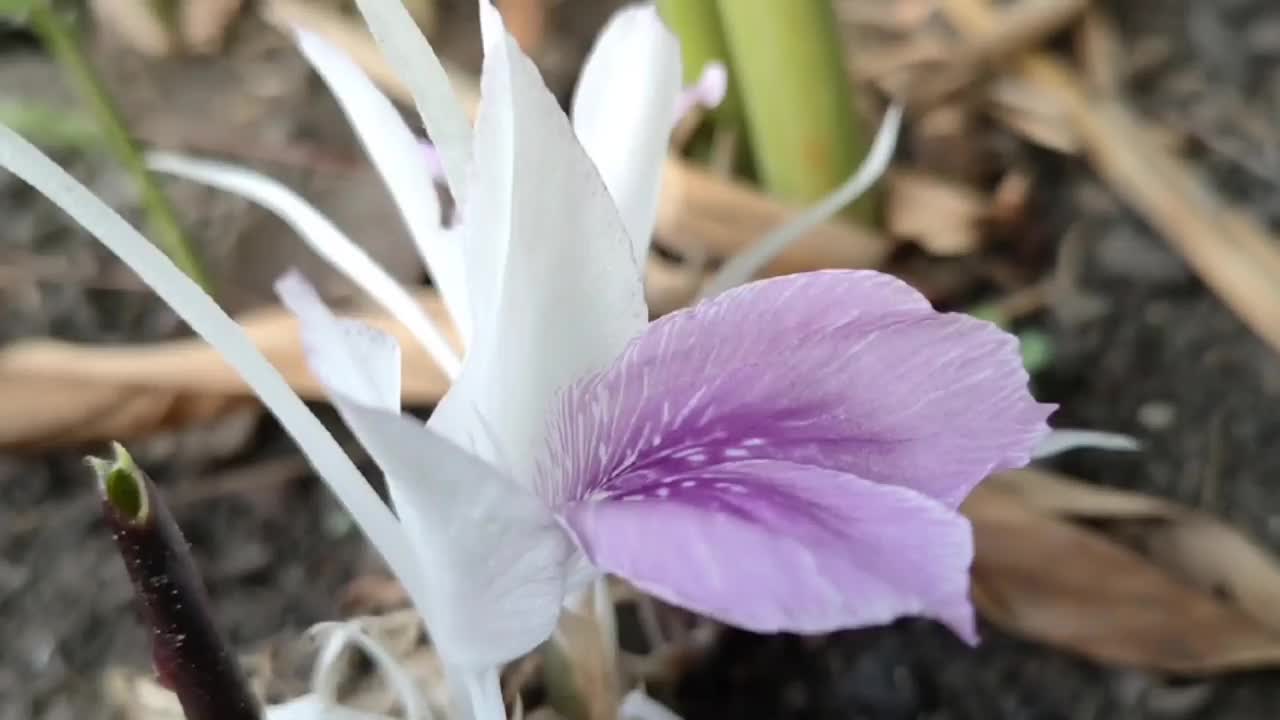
x: 707, y: 92
x: 773, y: 546
x: 847, y: 370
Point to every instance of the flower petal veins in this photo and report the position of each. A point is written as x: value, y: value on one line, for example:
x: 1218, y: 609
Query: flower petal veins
x: 773, y: 546
x: 847, y: 376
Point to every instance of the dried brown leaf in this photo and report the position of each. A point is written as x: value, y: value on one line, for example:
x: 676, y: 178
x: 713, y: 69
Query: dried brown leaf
x: 1032, y: 113
x: 204, y: 23
x: 66, y: 393
x: 1042, y: 577
x: 942, y: 216
x: 580, y: 663
x: 527, y: 22
x: 136, y: 23
x: 1230, y: 250
x: 1193, y: 546
x: 700, y: 212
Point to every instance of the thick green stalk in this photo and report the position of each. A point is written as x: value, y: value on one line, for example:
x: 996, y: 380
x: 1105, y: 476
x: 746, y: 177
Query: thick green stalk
x: 788, y: 63
x: 59, y: 37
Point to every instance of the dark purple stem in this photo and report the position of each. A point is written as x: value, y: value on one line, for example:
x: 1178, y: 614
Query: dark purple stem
x: 191, y: 657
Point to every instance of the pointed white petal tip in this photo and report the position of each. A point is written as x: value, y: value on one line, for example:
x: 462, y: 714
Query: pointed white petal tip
x: 1060, y: 441
x: 713, y: 84
x: 708, y: 92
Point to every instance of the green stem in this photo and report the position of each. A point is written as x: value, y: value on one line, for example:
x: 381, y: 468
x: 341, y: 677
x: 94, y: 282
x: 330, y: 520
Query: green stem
x: 60, y: 39
x: 788, y: 63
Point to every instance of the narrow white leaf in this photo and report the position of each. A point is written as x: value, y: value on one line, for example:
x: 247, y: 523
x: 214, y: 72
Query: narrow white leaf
x: 744, y: 266
x: 229, y: 339
x: 322, y: 236
x: 398, y: 156
x: 420, y: 70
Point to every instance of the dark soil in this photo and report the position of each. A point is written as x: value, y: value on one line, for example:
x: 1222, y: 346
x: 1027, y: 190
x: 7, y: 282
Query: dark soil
x: 1140, y: 346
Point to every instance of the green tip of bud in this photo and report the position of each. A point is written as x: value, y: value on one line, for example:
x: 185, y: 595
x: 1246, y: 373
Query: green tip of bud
x: 1037, y: 350
x: 122, y: 484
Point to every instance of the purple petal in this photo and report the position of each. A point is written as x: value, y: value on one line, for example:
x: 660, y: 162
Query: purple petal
x: 774, y: 546
x: 847, y: 370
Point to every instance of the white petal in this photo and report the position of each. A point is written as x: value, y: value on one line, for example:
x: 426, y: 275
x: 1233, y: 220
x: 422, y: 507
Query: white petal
x: 622, y: 113
x: 348, y: 356
x: 493, y: 556
x: 397, y: 154
x: 211, y: 323
x: 313, y: 707
x: 637, y: 705
x: 420, y: 70
x: 567, y: 294
x: 322, y: 236
x: 355, y: 361
x: 744, y: 266
x: 1060, y: 441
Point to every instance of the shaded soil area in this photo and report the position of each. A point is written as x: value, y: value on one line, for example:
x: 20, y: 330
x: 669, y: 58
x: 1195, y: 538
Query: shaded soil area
x: 1140, y: 346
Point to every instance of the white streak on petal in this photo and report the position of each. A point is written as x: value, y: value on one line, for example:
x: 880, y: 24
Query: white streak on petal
x: 322, y: 236
x: 397, y: 154
x: 420, y: 70
x: 622, y: 111
x: 744, y: 266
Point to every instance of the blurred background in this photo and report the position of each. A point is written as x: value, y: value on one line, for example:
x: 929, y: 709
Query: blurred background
x: 1101, y: 177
